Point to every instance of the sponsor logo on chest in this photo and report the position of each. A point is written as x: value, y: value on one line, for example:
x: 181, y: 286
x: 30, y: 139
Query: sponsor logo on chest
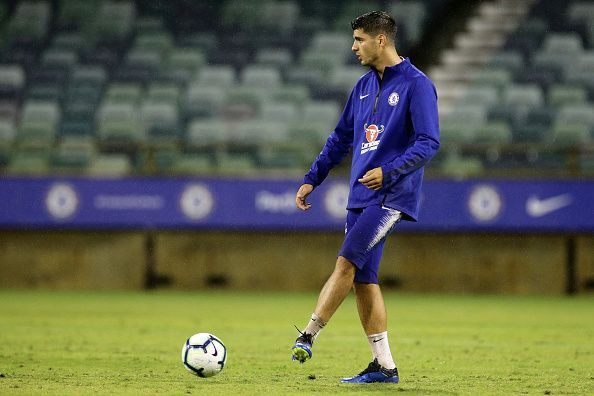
x: 371, y: 135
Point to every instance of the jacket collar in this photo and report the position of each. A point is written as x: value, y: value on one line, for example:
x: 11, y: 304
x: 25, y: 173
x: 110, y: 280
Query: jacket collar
x: 394, y: 70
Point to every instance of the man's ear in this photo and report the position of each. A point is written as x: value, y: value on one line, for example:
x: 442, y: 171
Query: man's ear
x: 381, y: 39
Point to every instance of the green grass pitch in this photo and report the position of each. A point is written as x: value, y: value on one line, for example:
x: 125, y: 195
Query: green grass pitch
x: 129, y: 343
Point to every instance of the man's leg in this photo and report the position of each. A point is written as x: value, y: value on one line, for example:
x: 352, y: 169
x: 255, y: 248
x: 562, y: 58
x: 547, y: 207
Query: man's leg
x: 371, y: 307
x: 372, y: 312
x: 335, y: 290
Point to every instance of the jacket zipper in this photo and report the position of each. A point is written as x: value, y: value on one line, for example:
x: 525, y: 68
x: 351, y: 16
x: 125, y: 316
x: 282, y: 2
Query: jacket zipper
x: 378, y: 95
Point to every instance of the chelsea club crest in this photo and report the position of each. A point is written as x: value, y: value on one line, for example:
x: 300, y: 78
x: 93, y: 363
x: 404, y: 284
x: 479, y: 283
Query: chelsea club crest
x: 393, y: 99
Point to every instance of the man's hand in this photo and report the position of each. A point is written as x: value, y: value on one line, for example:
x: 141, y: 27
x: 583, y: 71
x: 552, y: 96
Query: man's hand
x: 373, y: 179
x: 301, y: 197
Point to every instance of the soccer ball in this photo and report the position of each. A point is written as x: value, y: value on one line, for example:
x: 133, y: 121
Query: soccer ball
x: 204, y: 355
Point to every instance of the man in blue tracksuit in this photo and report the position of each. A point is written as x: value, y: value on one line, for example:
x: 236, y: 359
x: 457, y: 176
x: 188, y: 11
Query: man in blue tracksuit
x: 390, y: 123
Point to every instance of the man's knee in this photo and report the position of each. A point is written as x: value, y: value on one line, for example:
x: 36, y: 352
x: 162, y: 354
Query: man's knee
x: 345, y: 267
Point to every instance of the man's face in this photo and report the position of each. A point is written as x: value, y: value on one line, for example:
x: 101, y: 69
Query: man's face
x: 365, y: 47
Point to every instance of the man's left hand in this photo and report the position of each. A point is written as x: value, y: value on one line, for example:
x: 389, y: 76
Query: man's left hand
x: 373, y: 179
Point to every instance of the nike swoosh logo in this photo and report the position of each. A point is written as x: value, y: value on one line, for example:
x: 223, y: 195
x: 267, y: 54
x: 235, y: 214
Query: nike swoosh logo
x: 374, y: 341
x: 363, y: 96
x: 537, y: 207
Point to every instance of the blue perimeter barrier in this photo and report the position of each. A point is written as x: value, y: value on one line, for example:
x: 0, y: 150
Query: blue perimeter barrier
x: 197, y: 203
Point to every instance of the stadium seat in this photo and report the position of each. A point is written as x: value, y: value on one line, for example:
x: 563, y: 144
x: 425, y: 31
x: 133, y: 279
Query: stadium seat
x: 480, y: 95
x: 581, y: 12
x: 454, y: 133
x: 89, y: 75
x: 495, y: 77
x: 112, y: 165
x: 38, y: 125
x: 181, y: 65
x: 523, y: 95
x: 577, y: 114
x: 527, y: 36
x: 242, y: 15
x: 21, y: 30
x: 220, y: 76
x: 531, y: 133
x: 161, y: 123
x: 8, y: 111
x: 285, y: 112
x: 12, y: 81
x: 252, y: 133
x: 59, y: 59
x: 29, y: 163
x: 344, y: 78
x: 580, y: 71
x: 567, y: 44
x: 281, y: 16
x: 294, y: 93
x: 85, y: 86
x: 550, y: 61
x: 119, y: 127
x: 469, y: 114
x: 336, y: 46
x: 74, y: 15
x: 235, y: 163
x: 543, y: 116
x: 562, y: 94
x: 113, y: 22
x: 244, y: 102
x: 205, y: 42
x: 68, y: 41
x: 159, y: 42
x: 351, y: 9
x: 460, y: 167
x: 312, y: 78
x: 157, y: 160
x: 73, y: 155
x: 7, y: 137
x: 260, y: 76
x: 284, y: 156
x: 278, y: 57
x: 166, y: 93
x: 321, y: 111
x: 73, y: 127
x: 193, y: 163
x: 571, y: 135
x: 203, y: 101
x: 323, y: 62
x: 410, y: 15
x: 312, y: 133
x: 124, y: 93
x: 143, y: 60
x: 211, y: 134
x: 497, y: 133
x: 44, y: 92
x: 509, y: 60
x: 586, y: 164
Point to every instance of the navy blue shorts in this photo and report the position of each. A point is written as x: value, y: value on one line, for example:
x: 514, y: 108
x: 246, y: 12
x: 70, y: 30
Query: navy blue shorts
x: 366, y: 231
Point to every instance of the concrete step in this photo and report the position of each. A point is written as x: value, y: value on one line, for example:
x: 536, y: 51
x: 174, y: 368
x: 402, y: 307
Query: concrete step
x: 470, y: 41
x: 460, y: 57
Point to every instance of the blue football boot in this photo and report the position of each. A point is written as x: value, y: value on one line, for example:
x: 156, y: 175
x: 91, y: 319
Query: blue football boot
x: 374, y: 373
x: 302, y: 348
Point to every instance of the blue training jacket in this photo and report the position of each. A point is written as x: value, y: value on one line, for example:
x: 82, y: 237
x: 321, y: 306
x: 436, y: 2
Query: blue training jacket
x: 392, y: 123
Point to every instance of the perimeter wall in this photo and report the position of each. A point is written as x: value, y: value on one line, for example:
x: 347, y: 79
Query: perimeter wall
x: 481, y: 263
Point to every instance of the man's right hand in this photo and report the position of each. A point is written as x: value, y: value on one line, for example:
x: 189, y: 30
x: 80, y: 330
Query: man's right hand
x: 301, y: 197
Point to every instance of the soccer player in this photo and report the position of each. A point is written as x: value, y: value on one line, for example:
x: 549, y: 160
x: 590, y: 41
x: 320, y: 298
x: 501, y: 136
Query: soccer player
x: 390, y: 122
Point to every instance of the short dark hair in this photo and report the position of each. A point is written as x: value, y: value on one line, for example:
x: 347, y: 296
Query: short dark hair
x: 376, y: 22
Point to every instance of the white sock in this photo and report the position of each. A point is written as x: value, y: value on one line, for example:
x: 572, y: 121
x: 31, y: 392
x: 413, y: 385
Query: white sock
x: 314, y: 326
x: 380, y: 348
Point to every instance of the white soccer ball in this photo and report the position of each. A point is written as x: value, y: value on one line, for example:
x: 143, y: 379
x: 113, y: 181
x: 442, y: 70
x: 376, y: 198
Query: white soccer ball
x: 204, y: 355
